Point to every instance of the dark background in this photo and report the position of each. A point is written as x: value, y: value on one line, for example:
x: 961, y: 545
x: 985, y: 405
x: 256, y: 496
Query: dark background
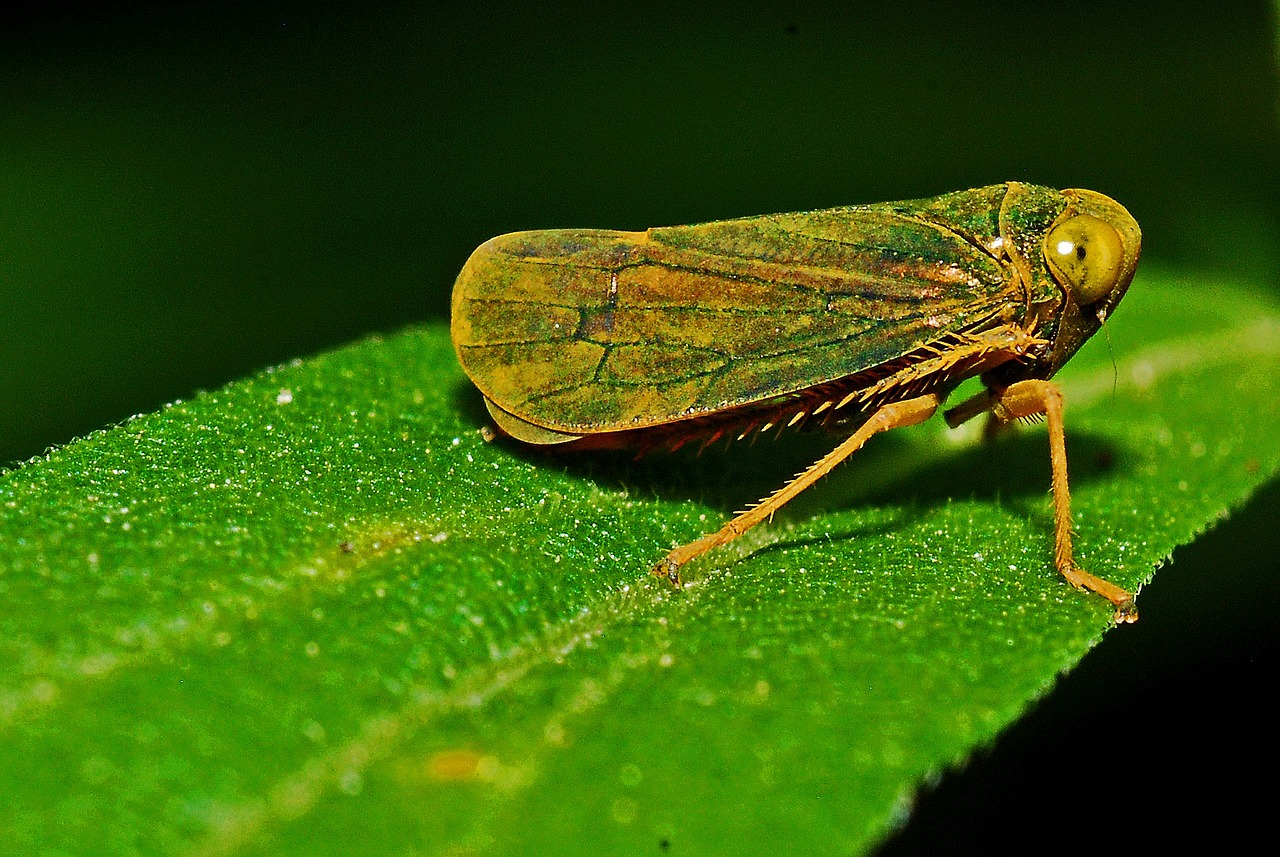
x: 188, y: 194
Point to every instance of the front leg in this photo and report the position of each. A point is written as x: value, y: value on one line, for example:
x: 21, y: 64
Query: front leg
x: 1031, y: 399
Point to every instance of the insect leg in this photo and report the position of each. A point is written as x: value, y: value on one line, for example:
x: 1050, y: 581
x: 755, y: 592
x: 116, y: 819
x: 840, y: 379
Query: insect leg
x: 1032, y: 398
x: 892, y: 415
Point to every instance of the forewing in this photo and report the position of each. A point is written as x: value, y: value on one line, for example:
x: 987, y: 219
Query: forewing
x: 590, y: 331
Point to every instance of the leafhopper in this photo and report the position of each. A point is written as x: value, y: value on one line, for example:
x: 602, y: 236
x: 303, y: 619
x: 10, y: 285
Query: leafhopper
x: 857, y: 319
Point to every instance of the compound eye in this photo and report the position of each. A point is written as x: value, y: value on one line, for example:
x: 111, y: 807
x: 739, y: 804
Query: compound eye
x: 1086, y: 254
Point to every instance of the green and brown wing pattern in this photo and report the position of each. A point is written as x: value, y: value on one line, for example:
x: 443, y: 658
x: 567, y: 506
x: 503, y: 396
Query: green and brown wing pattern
x: 586, y: 331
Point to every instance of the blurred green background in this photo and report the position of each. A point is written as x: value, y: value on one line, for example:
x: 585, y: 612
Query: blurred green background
x: 188, y: 194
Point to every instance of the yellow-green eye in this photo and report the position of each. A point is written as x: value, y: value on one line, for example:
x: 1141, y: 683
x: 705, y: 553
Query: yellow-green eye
x: 1086, y: 254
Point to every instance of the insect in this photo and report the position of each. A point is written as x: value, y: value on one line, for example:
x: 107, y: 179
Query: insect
x: 857, y: 319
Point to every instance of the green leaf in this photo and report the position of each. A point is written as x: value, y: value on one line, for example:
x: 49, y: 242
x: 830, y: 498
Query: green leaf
x: 314, y: 611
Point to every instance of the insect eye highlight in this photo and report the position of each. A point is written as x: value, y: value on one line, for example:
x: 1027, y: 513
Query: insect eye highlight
x: 1086, y: 254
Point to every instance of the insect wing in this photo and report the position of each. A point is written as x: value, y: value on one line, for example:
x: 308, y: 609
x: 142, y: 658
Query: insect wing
x: 589, y: 331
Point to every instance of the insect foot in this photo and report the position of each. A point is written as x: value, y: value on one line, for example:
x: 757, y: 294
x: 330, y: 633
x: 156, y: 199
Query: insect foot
x: 1126, y: 612
x: 670, y: 569
x: 1122, y: 599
